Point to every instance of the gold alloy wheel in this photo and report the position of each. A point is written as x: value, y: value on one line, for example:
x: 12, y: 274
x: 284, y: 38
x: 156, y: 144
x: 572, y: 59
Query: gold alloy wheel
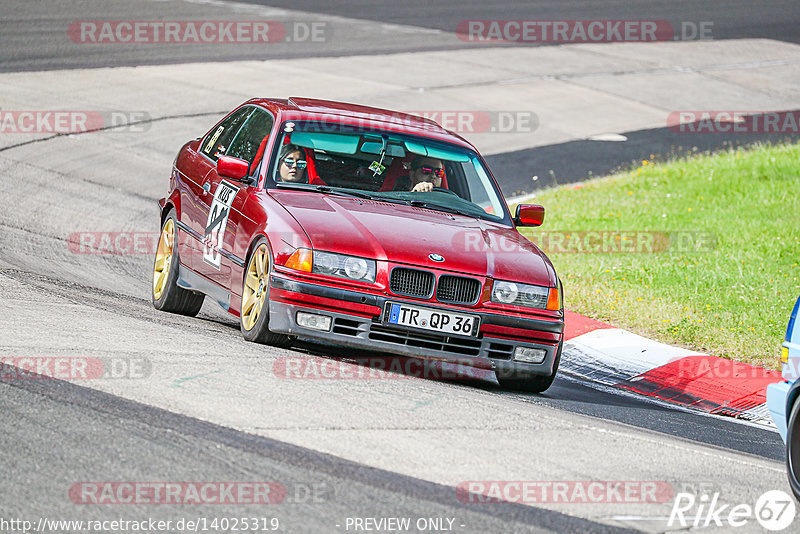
x: 254, y: 293
x: 163, y: 259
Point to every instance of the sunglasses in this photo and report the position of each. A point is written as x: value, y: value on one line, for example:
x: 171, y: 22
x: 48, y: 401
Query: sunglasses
x: 291, y: 162
x: 438, y: 173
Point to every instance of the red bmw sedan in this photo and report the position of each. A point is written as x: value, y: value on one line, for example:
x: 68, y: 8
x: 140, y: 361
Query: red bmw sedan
x: 358, y: 227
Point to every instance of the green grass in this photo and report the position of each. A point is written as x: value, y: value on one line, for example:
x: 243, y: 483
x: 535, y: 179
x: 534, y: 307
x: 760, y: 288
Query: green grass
x: 731, y: 294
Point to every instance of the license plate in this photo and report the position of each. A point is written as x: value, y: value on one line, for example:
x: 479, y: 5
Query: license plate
x: 432, y: 319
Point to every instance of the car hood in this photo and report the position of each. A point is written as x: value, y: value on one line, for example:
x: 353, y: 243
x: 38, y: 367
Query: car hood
x: 408, y: 235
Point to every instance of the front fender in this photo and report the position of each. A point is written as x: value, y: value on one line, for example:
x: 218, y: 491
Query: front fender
x: 266, y: 217
x: 172, y: 201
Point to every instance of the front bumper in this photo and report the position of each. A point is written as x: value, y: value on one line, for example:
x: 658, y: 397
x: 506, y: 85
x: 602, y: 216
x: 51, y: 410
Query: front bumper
x: 777, y: 395
x: 357, y: 321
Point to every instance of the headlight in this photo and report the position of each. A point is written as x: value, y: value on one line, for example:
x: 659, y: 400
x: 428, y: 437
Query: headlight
x: 343, y: 266
x: 505, y: 292
x: 526, y: 295
x: 325, y: 263
x: 356, y: 268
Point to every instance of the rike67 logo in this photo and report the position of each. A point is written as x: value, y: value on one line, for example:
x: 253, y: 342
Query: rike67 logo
x: 774, y: 511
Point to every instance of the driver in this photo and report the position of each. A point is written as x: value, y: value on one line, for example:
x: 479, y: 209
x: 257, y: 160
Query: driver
x: 425, y: 174
x: 292, y: 166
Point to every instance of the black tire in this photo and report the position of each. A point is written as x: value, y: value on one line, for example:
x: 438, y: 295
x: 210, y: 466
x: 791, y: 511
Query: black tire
x: 166, y: 294
x: 256, y: 328
x: 531, y: 383
x: 793, y: 449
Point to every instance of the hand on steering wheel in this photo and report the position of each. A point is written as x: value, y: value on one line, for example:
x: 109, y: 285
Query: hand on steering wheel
x: 423, y: 187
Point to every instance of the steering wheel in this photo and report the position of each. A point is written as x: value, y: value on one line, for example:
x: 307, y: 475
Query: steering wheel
x: 443, y: 190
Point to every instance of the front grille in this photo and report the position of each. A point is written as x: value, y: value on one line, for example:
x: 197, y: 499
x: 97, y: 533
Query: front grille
x: 345, y: 327
x: 444, y: 343
x: 500, y: 351
x: 457, y: 289
x: 411, y: 282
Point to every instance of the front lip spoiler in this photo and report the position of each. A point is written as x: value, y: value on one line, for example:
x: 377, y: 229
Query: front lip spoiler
x: 346, y: 295
x: 359, y: 333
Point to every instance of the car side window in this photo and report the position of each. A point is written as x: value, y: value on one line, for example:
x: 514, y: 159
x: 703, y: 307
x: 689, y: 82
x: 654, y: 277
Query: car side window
x: 247, y: 141
x: 217, y: 142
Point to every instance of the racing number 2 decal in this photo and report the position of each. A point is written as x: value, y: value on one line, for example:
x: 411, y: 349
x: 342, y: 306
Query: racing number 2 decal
x: 217, y: 222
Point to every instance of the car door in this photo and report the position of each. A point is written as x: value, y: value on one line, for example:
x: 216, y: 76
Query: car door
x: 196, y: 167
x: 226, y: 198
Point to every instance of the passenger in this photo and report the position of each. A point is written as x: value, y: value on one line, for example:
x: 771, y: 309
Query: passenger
x: 292, y: 167
x: 425, y: 174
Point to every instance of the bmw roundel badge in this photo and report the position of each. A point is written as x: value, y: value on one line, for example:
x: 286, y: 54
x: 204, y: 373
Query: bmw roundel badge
x: 438, y: 258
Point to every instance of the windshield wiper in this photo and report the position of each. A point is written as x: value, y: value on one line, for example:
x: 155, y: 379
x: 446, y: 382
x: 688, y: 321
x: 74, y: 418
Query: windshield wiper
x: 343, y: 192
x: 439, y: 207
x: 324, y: 189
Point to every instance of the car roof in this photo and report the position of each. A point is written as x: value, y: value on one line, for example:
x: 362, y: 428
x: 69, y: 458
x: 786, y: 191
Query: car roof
x: 300, y: 108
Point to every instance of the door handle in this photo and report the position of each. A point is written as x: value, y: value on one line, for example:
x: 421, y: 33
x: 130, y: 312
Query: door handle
x: 206, y: 188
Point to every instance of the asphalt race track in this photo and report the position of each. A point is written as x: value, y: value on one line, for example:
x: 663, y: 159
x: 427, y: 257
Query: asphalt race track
x: 383, y: 27
x: 193, y: 402
x: 732, y: 20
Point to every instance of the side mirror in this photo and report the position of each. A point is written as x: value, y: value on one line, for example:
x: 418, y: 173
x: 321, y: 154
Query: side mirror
x: 529, y: 215
x: 233, y: 168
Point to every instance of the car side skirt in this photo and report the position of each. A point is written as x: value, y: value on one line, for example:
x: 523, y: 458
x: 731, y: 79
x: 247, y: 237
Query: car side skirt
x: 188, y: 279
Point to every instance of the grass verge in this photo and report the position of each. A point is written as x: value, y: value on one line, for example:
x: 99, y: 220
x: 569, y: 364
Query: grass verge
x: 700, y: 252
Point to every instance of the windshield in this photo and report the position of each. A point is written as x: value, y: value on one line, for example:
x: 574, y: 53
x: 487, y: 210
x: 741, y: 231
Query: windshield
x: 387, y: 166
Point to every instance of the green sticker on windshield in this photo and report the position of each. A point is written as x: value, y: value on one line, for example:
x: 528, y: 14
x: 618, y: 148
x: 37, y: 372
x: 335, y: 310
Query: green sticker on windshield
x: 376, y: 167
